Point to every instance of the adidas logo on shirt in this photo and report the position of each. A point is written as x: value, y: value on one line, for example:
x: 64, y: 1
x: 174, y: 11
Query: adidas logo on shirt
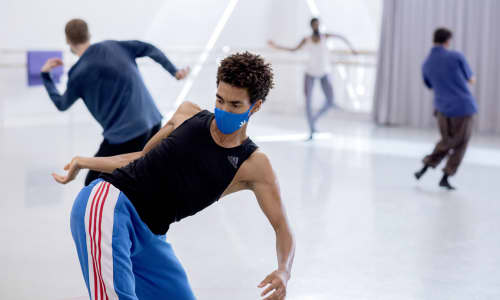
x: 233, y: 160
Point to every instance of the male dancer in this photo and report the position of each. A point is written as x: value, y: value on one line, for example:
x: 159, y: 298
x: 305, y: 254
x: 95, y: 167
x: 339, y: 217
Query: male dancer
x: 447, y: 73
x: 119, y: 221
x: 106, y: 77
x: 318, y: 67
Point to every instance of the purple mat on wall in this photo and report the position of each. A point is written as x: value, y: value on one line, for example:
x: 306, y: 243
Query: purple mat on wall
x: 36, y: 59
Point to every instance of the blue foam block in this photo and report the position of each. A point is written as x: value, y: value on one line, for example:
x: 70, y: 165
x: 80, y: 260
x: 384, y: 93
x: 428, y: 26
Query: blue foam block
x: 36, y: 59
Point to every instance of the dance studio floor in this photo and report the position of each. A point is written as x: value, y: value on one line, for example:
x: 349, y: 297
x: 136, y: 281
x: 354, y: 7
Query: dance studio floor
x: 365, y: 228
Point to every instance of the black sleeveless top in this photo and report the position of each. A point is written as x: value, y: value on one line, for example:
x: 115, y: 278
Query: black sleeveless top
x: 183, y: 174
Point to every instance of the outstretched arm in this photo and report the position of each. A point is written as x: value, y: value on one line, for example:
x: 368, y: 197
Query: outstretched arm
x: 100, y: 164
x: 275, y: 46
x: 64, y: 101
x: 343, y: 39
x: 141, y: 49
x: 266, y: 189
x: 108, y: 164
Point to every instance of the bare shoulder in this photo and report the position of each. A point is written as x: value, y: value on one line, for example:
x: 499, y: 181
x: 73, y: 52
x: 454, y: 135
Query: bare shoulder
x: 188, y: 108
x: 257, y: 168
x: 259, y: 159
x: 185, y: 111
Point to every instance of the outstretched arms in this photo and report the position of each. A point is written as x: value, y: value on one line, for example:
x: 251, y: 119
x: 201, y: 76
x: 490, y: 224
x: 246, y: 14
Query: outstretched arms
x: 299, y: 46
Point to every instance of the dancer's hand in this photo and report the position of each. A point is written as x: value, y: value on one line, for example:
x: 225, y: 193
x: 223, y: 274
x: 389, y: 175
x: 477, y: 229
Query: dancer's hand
x: 51, y: 63
x: 276, y: 282
x: 73, y: 168
x: 182, y: 73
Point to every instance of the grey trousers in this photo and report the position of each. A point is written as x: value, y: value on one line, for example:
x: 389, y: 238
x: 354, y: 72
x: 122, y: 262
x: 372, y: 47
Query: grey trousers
x: 327, y: 88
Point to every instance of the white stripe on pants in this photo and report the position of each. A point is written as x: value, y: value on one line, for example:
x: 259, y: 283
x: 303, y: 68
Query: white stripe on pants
x: 99, y: 218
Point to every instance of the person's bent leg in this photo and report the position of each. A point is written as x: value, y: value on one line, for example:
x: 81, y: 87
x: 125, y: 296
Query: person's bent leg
x: 327, y: 88
x: 442, y: 148
x: 159, y: 274
x: 462, y: 131
x: 78, y: 228
x: 103, y: 241
x: 308, y: 87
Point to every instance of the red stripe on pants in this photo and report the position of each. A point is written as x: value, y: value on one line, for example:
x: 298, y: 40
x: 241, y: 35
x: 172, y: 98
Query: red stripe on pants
x: 97, y: 195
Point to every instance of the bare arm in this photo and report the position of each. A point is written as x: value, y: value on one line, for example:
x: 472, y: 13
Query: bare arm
x: 266, y: 189
x: 100, y: 164
x: 108, y: 164
x: 185, y: 111
x: 343, y: 39
x: 275, y: 46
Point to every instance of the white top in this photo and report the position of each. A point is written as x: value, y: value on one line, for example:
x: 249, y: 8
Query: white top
x: 319, y: 57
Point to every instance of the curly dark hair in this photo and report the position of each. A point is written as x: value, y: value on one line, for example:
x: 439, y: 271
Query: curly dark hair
x: 249, y: 71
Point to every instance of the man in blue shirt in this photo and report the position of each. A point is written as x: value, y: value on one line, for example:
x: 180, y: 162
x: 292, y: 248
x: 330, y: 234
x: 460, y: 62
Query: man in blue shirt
x: 448, y: 74
x: 106, y: 77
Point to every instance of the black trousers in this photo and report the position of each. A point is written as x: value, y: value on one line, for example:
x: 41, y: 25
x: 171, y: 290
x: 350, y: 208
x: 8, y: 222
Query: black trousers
x: 134, y: 145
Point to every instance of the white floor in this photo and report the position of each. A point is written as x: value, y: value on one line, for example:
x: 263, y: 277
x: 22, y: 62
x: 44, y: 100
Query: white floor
x: 365, y: 228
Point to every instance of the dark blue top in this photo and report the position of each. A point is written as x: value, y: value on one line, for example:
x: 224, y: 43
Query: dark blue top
x: 447, y: 73
x: 106, y: 77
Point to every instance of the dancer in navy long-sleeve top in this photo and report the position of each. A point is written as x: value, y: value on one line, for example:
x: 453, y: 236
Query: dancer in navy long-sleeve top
x: 106, y: 77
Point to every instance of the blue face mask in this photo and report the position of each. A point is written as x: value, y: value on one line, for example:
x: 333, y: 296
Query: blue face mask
x: 228, y: 122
